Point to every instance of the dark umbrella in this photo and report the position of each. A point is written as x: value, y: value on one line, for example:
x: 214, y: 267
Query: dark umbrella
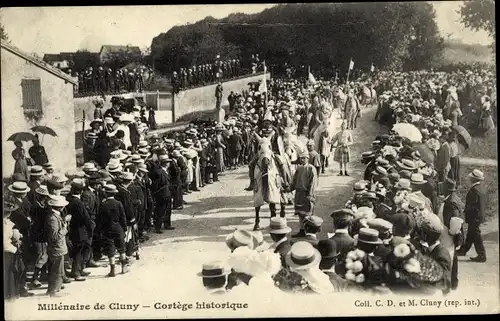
x: 426, y: 153
x: 21, y: 136
x: 463, y: 136
x: 44, y: 130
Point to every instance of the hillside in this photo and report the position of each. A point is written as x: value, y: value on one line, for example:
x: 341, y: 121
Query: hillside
x: 457, y: 52
x: 395, y: 35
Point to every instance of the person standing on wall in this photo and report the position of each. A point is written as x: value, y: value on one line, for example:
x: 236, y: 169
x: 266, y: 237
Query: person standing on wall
x: 218, y: 97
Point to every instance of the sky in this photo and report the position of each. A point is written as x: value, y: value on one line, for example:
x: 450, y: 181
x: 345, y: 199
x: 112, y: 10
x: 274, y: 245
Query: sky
x: 66, y: 29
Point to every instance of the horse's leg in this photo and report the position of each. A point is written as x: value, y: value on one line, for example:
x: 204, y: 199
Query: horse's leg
x: 265, y: 180
x: 257, y: 219
x: 282, y: 209
x: 272, y: 209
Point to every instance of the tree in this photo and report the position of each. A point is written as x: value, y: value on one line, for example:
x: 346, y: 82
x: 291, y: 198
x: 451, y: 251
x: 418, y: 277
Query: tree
x: 117, y: 60
x: 3, y: 34
x: 84, y: 59
x: 480, y: 15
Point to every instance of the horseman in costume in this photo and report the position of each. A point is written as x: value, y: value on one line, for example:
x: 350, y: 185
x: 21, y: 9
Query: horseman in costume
x: 267, y: 180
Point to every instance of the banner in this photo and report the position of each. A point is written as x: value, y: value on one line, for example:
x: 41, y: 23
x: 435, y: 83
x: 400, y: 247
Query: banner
x: 351, y: 65
x: 311, y: 78
x: 372, y: 69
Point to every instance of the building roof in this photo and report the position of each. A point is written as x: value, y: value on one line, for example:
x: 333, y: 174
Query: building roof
x: 38, y: 62
x: 113, y: 48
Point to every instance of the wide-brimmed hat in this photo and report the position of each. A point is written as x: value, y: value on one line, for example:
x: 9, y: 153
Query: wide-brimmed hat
x: 407, y: 164
x: 110, y: 188
x: 214, y: 269
x: 57, y: 201
x: 143, y: 144
x: 54, y: 184
x: 89, y: 167
x: 241, y: 238
x: 127, y: 176
x: 42, y: 190
x: 19, y: 188
x: 327, y: 249
x: 164, y: 157
x: 359, y: 187
x: 114, y: 167
x: 418, y: 179
x: 414, y: 202
x: 142, y: 167
x: 476, y: 174
x: 403, y: 183
x: 368, y: 236
x: 302, y: 256
x: 381, y: 225
x: 365, y: 212
x: 77, y: 183
x: 47, y: 166
x: 135, y: 158
x: 37, y: 170
x: 278, y: 225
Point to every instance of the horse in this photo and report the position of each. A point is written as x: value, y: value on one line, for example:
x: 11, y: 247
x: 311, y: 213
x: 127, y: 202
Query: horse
x: 267, y: 180
x: 351, y: 111
x: 368, y: 96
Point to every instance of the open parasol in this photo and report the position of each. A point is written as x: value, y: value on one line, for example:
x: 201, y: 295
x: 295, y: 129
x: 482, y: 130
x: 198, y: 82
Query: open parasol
x: 409, y: 131
x: 44, y: 130
x: 21, y: 137
x: 463, y: 136
x: 426, y: 153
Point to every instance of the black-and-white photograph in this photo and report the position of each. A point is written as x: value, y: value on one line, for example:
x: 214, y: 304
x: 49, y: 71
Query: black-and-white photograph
x: 250, y: 160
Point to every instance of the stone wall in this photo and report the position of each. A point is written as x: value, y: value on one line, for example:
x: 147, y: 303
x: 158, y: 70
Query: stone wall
x: 203, y: 98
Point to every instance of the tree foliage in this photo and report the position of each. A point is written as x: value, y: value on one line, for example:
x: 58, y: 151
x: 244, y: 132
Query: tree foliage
x: 479, y: 15
x: 84, y: 59
x: 389, y: 35
x: 122, y: 58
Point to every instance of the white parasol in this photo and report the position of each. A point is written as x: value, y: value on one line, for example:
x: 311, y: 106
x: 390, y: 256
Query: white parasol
x: 409, y: 131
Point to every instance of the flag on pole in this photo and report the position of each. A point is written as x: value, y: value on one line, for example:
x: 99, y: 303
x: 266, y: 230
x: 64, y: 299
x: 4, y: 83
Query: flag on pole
x: 263, y: 84
x: 372, y: 69
x: 351, y: 65
x: 311, y: 78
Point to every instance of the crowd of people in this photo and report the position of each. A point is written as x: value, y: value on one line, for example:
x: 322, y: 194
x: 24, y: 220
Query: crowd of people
x: 218, y: 71
x: 403, y: 229
x: 104, y: 80
x: 387, y: 238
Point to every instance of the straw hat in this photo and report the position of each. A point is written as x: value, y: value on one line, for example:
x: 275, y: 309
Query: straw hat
x: 476, y: 174
x: 42, y: 190
x: 58, y: 201
x: 368, y: 236
x: 19, y: 188
x: 214, y: 269
x: 302, y: 256
x: 278, y: 225
x: 241, y: 238
x: 36, y: 170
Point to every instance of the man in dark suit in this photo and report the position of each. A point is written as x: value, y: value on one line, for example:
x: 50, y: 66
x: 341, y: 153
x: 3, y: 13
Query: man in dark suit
x: 113, y: 224
x: 91, y: 201
x: 162, y: 196
x: 474, y: 217
x: 278, y: 229
x: 80, y: 229
x: 453, y: 207
x: 341, y: 222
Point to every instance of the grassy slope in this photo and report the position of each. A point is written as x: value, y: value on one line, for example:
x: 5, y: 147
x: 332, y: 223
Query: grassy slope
x: 455, y: 52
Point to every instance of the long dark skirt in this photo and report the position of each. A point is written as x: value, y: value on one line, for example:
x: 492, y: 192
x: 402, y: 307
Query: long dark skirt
x: 454, y: 173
